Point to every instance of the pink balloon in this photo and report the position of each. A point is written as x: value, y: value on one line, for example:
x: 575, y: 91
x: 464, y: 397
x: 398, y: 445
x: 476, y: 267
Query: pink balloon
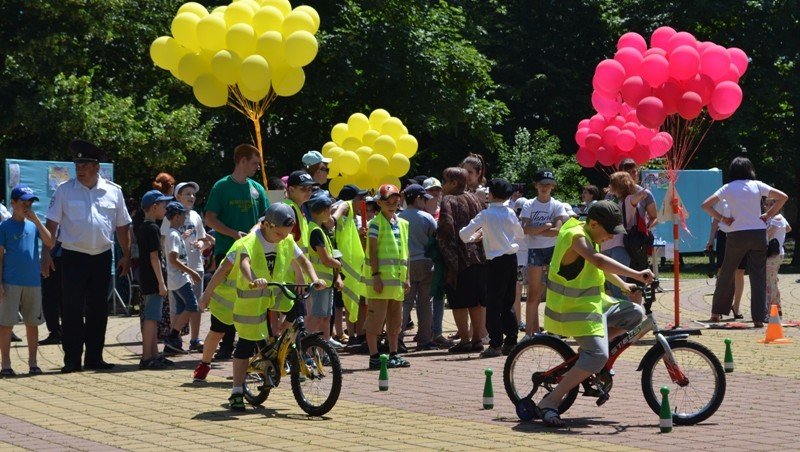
x: 606, y: 156
x: 660, y: 144
x: 690, y: 105
x: 630, y: 59
x: 596, y: 86
x: 726, y: 98
x: 731, y: 76
x: 632, y: 125
x: 655, y: 51
x: 714, y: 61
x: 640, y: 154
x: 583, y: 123
x: 619, y: 121
x: 626, y: 140
x: 660, y: 37
x: 715, y: 115
x: 610, y: 75
x: 586, y: 158
x: 650, y: 112
x: 739, y: 58
x: 624, y: 109
x: 593, y: 141
x: 631, y: 118
x: 644, y: 135
x: 670, y: 94
x: 635, y: 89
x: 597, y: 123
x: 683, y: 63
x: 632, y: 40
x: 610, y: 136
x: 580, y: 136
x: 702, y: 85
x: 655, y: 70
x: 606, y: 106
x: 679, y: 39
x: 701, y: 46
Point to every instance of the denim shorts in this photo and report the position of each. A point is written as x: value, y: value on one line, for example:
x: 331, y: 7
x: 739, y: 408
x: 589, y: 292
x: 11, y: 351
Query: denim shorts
x: 152, y: 307
x: 185, y: 299
x: 540, y: 257
x: 321, y: 302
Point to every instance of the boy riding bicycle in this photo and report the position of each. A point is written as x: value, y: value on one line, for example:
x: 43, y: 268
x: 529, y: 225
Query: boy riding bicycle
x: 577, y: 306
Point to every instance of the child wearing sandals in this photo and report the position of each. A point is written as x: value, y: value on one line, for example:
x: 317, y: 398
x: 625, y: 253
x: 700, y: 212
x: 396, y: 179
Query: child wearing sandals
x: 593, y: 318
x: 20, y: 285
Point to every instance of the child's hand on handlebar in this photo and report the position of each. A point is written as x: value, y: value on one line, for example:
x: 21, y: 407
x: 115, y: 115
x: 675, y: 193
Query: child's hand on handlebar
x: 259, y: 282
x: 319, y: 284
x: 646, y: 276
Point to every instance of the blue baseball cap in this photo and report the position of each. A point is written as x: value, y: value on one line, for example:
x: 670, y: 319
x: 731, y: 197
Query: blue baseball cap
x: 152, y: 197
x: 319, y: 201
x: 24, y: 193
x: 175, y: 208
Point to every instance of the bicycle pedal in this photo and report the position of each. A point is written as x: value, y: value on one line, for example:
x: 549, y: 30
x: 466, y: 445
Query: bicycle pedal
x: 591, y: 392
x: 602, y: 399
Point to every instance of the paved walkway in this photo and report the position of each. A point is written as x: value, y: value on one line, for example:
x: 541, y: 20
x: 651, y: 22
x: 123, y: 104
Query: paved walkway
x: 435, y: 404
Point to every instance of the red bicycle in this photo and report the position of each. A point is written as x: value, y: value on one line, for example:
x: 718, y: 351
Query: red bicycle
x: 692, y: 372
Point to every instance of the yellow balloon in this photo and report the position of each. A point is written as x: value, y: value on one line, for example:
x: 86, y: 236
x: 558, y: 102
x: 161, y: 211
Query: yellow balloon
x: 369, y: 137
x: 253, y: 95
x: 255, y: 72
x: 326, y: 147
x: 270, y: 46
x: 335, y: 152
x: 191, y: 66
x: 407, y: 145
x: 210, y: 91
x: 392, y: 127
x: 284, y: 6
x: 389, y: 179
x: 311, y: 12
x: 399, y: 165
x: 377, y: 165
x: 238, y: 13
x: 163, y: 52
x: 288, y: 81
x: 253, y: 4
x: 194, y: 8
x: 227, y: 66
x: 184, y: 30
x: 180, y: 52
x: 267, y: 18
x: 405, y: 130
x: 301, y: 47
x: 351, y: 143
x: 385, y: 146
x: 339, y: 132
x: 377, y: 117
x: 349, y: 163
x: 211, y: 32
x: 219, y: 10
x: 333, y: 169
x: 363, y: 154
x: 241, y: 39
x: 358, y: 123
x: 297, y: 21
x: 336, y: 184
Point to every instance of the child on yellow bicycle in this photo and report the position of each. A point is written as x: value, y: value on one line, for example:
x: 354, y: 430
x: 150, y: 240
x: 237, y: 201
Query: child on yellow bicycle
x: 251, y: 262
x: 577, y: 305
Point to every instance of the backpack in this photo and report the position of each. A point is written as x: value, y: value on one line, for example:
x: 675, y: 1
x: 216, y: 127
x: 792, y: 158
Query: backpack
x: 638, y: 239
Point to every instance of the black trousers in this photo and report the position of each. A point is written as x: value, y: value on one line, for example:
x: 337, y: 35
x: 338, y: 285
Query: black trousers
x: 230, y: 330
x: 85, y: 283
x: 52, y: 300
x: 501, y: 278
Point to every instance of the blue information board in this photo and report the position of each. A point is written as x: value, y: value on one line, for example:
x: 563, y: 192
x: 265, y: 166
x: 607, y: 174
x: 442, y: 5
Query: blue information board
x: 694, y: 186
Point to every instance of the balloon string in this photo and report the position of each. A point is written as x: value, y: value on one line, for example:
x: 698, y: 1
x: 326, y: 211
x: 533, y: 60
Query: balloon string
x: 254, y: 111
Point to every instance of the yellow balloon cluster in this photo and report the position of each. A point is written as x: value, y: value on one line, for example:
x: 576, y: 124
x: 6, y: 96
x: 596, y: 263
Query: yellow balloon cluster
x: 252, y: 44
x: 369, y: 151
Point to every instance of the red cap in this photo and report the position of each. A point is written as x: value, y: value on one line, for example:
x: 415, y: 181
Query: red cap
x: 388, y: 190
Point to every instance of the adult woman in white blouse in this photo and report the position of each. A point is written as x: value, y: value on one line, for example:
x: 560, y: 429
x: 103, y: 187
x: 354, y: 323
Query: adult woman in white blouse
x: 747, y: 236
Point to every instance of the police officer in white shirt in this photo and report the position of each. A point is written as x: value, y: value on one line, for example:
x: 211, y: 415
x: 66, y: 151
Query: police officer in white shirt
x: 89, y: 210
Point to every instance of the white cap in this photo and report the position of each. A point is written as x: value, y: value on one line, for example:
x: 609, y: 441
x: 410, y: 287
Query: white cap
x: 180, y: 186
x: 520, y: 202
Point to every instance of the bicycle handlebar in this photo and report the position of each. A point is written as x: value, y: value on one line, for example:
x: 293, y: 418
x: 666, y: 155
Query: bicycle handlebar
x: 291, y: 294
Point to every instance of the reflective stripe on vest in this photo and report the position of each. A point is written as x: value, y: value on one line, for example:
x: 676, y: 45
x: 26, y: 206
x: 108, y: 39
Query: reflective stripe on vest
x: 573, y: 292
x: 392, y: 260
x: 382, y: 262
x: 349, y: 243
x: 564, y: 317
x: 226, y: 303
x: 324, y: 272
x: 249, y: 319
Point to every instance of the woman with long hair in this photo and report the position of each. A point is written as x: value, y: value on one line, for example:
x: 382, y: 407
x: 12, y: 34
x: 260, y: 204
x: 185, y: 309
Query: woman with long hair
x: 747, y: 236
x: 475, y: 166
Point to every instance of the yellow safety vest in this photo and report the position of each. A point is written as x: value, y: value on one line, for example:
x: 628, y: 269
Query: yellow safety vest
x: 575, y: 307
x: 349, y: 243
x: 303, y: 243
x: 392, y: 260
x: 250, y: 308
x: 324, y: 272
x: 224, y: 295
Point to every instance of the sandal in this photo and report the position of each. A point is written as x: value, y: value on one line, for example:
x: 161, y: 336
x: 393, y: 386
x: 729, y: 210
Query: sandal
x: 715, y: 318
x: 738, y: 316
x: 35, y: 370
x: 550, y: 417
x: 236, y: 402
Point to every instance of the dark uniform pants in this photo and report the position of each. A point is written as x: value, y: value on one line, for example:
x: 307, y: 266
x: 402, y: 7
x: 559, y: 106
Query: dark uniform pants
x: 51, y: 298
x: 86, y: 279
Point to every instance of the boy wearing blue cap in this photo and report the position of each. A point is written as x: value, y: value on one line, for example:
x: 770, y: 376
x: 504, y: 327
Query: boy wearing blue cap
x: 20, y: 285
x: 327, y: 267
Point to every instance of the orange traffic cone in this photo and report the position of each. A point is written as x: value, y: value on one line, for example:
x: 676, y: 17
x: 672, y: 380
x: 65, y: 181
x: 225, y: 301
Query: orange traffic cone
x: 774, y: 329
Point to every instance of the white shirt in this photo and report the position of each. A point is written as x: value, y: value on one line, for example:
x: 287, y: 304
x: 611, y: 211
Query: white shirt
x: 88, y: 217
x: 721, y: 207
x: 539, y: 213
x: 173, y: 243
x: 744, y: 201
x: 4, y: 213
x: 779, y: 224
x: 501, y: 230
x: 194, y: 224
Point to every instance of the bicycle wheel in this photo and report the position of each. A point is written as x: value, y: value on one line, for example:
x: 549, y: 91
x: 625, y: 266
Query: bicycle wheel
x: 522, y: 372
x: 261, y: 377
x: 317, y: 390
x: 696, y: 401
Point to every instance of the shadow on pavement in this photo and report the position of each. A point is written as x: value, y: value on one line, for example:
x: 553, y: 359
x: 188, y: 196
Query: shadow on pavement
x: 228, y: 415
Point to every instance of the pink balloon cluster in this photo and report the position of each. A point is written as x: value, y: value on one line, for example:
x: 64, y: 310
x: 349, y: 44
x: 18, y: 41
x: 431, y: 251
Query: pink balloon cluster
x: 636, y: 90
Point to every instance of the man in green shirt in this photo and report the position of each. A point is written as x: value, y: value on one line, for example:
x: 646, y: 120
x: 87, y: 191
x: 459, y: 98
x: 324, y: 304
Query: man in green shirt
x: 233, y: 206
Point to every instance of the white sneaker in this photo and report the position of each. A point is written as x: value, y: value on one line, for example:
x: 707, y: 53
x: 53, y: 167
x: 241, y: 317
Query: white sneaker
x: 335, y: 343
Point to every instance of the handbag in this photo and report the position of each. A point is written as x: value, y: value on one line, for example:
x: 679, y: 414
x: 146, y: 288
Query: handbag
x: 773, y: 248
x: 638, y: 238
